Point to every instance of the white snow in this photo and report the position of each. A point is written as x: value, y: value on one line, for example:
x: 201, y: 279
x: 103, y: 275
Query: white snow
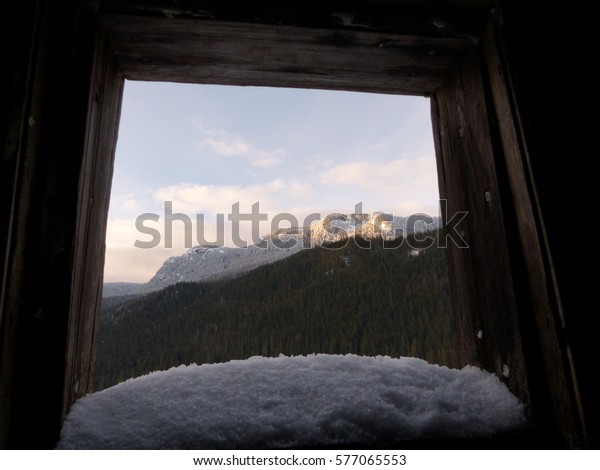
x: 479, y: 334
x: 298, y: 401
x: 211, y: 263
x: 505, y: 370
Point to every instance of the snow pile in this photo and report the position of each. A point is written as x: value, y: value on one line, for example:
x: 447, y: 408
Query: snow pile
x: 300, y: 401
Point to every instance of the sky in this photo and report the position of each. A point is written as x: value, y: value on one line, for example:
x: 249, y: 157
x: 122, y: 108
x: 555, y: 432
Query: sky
x: 207, y: 147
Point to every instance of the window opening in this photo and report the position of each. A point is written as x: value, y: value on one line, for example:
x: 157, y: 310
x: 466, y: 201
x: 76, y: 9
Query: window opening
x: 193, y: 154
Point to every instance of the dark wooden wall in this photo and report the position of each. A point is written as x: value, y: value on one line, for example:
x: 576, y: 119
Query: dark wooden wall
x: 484, y: 301
x: 103, y: 112
x: 500, y: 156
x: 546, y: 54
x: 62, y: 99
x: 503, y: 283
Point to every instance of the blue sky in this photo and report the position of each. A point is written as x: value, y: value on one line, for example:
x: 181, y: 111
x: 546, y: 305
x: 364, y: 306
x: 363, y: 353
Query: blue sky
x: 206, y: 147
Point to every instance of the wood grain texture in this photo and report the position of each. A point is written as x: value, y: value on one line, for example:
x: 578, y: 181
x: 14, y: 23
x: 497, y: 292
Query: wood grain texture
x: 39, y: 268
x: 481, y: 279
x: 198, y: 51
x: 92, y: 210
x: 448, y: 18
x: 542, y: 324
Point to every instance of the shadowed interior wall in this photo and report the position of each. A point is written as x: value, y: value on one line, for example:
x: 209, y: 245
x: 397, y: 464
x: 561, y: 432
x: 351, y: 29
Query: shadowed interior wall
x: 499, y: 155
x: 58, y: 159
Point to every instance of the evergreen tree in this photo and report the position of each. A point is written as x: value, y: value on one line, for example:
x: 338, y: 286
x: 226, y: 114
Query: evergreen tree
x: 347, y: 300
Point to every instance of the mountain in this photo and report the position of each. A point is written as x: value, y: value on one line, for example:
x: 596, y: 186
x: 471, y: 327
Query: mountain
x: 117, y: 289
x: 211, y: 263
x: 338, y: 298
x: 202, y: 264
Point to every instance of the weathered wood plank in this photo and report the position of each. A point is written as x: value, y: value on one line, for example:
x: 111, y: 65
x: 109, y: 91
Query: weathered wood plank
x: 92, y: 211
x: 39, y: 262
x: 549, y: 355
x: 198, y: 51
x: 455, y: 18
x: 481, y: 279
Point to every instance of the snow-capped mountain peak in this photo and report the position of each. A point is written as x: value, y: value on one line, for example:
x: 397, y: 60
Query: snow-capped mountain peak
x: 211, y: 263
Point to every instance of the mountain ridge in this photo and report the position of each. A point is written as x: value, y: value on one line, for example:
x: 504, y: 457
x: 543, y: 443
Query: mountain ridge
x: 212, y: 263
x: 336, y: 301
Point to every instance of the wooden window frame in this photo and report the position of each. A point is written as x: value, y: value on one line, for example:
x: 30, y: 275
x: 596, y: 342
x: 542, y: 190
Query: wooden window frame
x: 502, y: 285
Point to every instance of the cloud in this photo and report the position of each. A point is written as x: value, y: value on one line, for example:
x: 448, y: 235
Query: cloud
x: 125, y: 262
x: 225, y: 144
x: 126, y: 202
x: 383, y: 176
x: 402, y: 185
x: 130, y: 264
x: 318, y: 164
x: 213, y: 199
x: 130, y: 204
x: 120, y: 232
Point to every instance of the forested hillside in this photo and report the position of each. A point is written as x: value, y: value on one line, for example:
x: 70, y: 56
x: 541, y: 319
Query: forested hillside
x: 343, y: 300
